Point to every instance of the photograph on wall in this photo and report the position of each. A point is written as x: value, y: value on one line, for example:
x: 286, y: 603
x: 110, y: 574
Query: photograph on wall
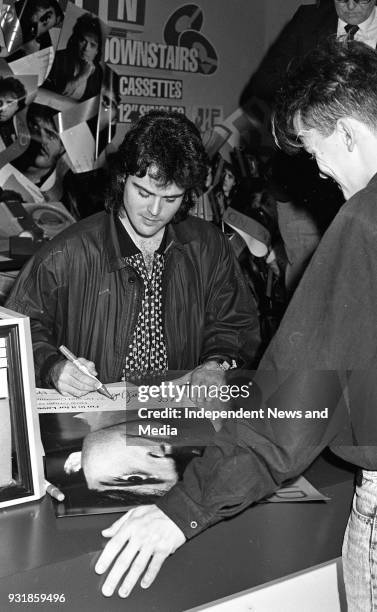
x: 13, y: 180
x: 29, y: 26
x: 87, y: 129
x: 77, y: 71
x: 16, y: 94
x: 43, y: 162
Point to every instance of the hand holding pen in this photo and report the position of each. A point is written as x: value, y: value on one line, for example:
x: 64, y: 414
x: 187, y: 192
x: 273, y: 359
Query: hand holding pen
x: 76, y: 376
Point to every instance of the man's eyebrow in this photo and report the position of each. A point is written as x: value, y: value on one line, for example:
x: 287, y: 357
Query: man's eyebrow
x: 46, y: 15
x: 127, y: 483
x: 173, y: 195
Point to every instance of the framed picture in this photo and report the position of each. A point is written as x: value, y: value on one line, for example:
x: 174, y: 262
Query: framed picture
x: 21, y: 452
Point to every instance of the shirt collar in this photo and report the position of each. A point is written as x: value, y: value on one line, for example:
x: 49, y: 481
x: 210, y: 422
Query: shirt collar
x: 126, y: 244
x: 173, y: 237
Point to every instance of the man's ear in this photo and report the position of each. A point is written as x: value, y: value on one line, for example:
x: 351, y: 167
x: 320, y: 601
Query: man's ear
x: 347, y: 132
x: 73, y: 463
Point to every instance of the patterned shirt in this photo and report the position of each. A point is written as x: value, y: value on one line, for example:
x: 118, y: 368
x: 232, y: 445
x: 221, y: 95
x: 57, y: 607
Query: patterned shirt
x: 147, y: 355
x: 147, y: 352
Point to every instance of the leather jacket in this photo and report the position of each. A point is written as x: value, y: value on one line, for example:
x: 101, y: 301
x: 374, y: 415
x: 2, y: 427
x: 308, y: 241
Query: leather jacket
x: 78, y: 291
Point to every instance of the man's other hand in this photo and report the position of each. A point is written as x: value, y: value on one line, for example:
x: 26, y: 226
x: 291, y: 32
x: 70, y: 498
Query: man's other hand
x: 140, y: 540
x: 208, y: 373
x: 69, y: 380
x: 206, y: 381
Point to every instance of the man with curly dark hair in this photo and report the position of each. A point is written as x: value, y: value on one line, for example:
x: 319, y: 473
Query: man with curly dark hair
x: 12, y: 100
x: 141, y: 287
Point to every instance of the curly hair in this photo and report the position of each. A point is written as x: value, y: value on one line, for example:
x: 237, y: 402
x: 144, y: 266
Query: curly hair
x: 86, y: 24
x: 171, y: 144
x: 41, y: 111
x: 335, y: 80
x: 12, y: 85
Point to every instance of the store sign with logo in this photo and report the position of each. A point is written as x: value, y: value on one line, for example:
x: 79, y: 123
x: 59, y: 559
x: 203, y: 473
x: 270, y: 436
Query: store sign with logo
x: 121, y: 14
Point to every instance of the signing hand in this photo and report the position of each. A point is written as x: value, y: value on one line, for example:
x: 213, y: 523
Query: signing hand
x: 69, y: 380
x: 142, y: 538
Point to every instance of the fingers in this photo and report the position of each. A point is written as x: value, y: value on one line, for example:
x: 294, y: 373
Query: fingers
x: 138, y: 567
x: 111, y: 550
x: 119, y: 569
x: 152, y: 571
x: 89, y: 365
x: 69, y: 380
x: 136, y: 563
x: 140, y: 541
x: 110, y: 531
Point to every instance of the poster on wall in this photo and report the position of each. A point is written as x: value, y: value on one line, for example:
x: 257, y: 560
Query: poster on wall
x: 174, y: 56
x: 165, y: 55
x: 164, y: 72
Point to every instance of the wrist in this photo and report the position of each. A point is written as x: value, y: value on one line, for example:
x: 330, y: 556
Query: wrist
x: 221, y: 363
x: 48, y: 368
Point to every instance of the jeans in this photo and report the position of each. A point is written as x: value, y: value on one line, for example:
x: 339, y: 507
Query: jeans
x: 360, y: 548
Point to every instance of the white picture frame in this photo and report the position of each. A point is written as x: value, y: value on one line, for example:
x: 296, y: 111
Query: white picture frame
x: 21, y: 456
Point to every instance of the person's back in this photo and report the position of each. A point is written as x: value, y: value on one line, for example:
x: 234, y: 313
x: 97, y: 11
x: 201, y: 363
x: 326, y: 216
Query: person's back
x: 310, y: 25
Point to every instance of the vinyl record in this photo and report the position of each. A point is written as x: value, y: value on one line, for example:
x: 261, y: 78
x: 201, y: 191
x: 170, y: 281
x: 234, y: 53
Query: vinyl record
x: 207, y: 56
x: 51, y: 218
x: 188, y: 17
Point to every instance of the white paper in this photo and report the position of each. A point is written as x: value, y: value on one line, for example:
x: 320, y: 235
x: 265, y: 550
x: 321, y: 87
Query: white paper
x: 38, y: 63
x: 3, y: 383
x: 315, y: 590
x: 298, y: 491
x: 126, y: 397
x: 80, y: 147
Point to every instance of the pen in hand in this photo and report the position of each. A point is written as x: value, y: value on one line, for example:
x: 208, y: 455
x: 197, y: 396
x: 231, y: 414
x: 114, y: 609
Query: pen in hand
x: 73, y: 359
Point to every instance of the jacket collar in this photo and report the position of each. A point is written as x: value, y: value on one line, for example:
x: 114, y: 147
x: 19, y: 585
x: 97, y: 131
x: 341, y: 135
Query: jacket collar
x: 373, y: 181
x: 176, y: 237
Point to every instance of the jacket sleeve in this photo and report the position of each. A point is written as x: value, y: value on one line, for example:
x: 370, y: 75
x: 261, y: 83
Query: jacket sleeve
x: 326, y: 332
x: 231, y: 325
x: 35, y: 295
x: 251, y: 457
